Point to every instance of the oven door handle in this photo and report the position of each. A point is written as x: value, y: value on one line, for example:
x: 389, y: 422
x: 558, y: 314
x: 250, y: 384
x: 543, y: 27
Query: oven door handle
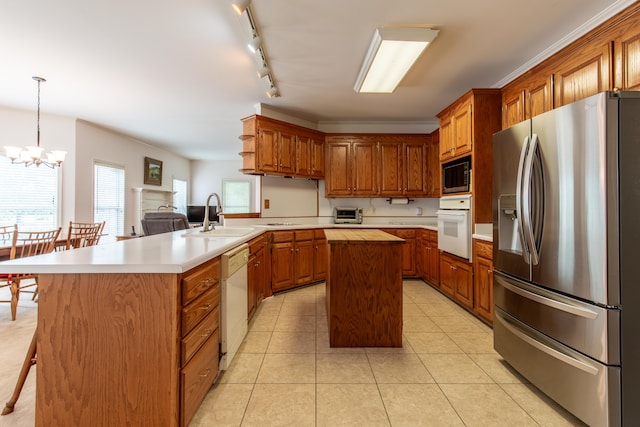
x: 452, y: 216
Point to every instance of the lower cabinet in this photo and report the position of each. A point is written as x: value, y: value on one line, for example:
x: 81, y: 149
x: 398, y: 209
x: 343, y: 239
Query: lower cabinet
x: 321, y: 256
x: 408, y: 249
x: 483, y: 280
x: 256, y: 274
x: 292, y: 259
x: 429, y: 259
x: 200, y: 335
x: 456, y: 279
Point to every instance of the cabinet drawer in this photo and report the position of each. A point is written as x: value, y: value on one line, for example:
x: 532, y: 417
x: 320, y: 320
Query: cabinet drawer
x: 318, y: 234
x: 194, y: 339
x: 281, y: 236
x: 483, y: 249
x: 256, y: 244
x: 200, y: 279
x: 193, y: 313
x: 404, y: 233
x: 303, y: 235
x: 198, y: 376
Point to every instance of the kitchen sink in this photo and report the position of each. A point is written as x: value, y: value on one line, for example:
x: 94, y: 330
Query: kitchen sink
x: 220, y: 232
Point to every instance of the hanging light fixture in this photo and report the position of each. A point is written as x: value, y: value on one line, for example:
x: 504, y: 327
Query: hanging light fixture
x: 32, y: 155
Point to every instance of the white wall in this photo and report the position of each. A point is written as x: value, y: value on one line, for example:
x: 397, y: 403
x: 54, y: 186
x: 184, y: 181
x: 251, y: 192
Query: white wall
x: 207, y: 177
x: 96, y: 144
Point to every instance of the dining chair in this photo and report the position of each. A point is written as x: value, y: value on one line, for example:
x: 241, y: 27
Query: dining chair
x: 25, y: 244
x: 83, y: 234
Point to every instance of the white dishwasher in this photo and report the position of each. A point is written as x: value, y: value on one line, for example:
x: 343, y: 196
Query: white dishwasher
x: 233, y: 303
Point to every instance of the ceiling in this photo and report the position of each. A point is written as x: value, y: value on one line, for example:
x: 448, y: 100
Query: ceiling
x: 177, y: 74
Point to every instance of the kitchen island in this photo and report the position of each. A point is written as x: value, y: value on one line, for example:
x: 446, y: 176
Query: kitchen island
x: 364, y: 288
x: 127, y: 332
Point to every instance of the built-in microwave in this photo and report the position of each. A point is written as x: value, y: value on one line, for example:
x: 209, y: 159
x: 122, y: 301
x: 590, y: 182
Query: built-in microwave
x: 456, y: 176
x: 348, y: 216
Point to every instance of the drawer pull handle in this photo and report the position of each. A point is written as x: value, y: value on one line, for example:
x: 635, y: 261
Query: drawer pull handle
x: 207, y: 333
x: 205, y: 373
x: 205, y: 307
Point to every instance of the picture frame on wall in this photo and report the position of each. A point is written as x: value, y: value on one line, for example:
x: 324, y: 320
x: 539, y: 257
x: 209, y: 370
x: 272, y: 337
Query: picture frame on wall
x: 152, y: 171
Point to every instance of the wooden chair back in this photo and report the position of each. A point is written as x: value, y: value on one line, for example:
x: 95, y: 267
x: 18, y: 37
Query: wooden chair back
x: 83, y: 234
x: 30, y: 243
x: 6, y: 234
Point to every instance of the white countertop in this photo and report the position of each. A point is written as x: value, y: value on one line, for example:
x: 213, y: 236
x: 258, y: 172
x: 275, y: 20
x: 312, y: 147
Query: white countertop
x: 160, y: 253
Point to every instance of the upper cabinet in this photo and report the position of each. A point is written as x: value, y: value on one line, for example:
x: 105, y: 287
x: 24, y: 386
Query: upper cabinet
x: 273, y: 147
x: 466, y: 128
x: 606, y: 58
x: 368, y: 165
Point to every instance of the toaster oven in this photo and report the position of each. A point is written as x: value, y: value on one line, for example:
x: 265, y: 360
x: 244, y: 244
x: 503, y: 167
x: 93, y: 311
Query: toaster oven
x: 347, y: 216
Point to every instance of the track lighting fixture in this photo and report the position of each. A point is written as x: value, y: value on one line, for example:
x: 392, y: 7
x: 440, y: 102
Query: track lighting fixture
x: 255, y: 44
x: 240, y: 6
x: 263, y: 72
x: 273, y: 92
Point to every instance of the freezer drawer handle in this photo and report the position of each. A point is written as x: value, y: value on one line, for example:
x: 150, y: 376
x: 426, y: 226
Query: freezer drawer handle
x: 578, y: 311
x: 589, y: 369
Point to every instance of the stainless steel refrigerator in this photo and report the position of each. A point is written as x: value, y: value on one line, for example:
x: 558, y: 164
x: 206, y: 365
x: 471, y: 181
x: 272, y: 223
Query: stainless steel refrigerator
x: 566, y: 238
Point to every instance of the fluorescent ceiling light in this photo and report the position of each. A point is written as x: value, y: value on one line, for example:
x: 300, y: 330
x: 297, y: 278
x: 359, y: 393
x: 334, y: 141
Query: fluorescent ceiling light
x: 392, y: 52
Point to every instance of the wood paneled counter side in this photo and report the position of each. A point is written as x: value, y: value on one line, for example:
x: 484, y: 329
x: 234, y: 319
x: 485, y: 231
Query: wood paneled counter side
x: 364, y: 288
x: 126, y: 349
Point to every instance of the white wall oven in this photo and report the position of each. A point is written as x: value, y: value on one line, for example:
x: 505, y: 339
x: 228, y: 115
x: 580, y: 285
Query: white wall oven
x: 454, y: 225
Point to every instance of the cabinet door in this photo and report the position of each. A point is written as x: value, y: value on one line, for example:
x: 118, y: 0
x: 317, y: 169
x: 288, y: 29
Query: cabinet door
x: 433, y: 166
x: 446, y: 138
x: 391, y: 168
x: 286, y: 152
x: 281, y: 266
x: 512, y: 107
x: 267, y: 149
x: 338, y: 175
x: 303, y: 156
x: 303, y: 260
x: 415, y: 163
x: 317, y: 157
x: 321, y: 259
x: 585, y: 75
x: 627, y: 62
x: 483, y: 284
x: 462, y: 129
x: 539, y: 95
x: 464, y: 283
x: 365, y: 182
x: 447, y: 278
x: 409, y: 258
x: 433, y: 268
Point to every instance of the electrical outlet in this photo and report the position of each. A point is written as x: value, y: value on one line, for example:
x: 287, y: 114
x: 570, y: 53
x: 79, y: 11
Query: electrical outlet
x: 266, y: 203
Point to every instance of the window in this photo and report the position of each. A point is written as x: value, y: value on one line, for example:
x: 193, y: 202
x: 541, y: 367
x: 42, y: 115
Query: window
x: 108, y: 203
x: 30, y: 196
x: 236, y: 196
x: 180, y: 195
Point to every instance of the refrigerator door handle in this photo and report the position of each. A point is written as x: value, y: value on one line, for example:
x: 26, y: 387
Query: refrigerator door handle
x: 583, y: 366
x: 523, y: 155
x: 526, y: 200
x: 558, y: 305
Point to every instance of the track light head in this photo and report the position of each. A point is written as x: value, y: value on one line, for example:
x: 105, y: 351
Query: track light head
x: 240, y: 6
x: 255, y: 44
x: 273, y: 92
x: 263, y: 72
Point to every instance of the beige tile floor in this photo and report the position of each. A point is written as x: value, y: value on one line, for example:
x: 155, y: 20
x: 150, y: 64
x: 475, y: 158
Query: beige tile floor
x: 446, y: 373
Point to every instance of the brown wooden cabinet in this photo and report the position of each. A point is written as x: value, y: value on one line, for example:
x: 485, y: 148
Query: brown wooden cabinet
x: 583, y: 74
x: 429, y: 257
x: 148, y: 344
x: 627, y: 56
x: 274, y: 147
x: 292, y: 259
x: 483, y: 279
x: 321, y: 257
x: 408, y: 249
x: 377, y: 166
x: 433, y: 172
x: 256, y: 274
x: 530, y: 96
x: 456, y: 136
x: 456, y: 279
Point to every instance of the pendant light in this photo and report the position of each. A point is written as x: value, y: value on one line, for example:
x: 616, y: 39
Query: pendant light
x: 32, y: 155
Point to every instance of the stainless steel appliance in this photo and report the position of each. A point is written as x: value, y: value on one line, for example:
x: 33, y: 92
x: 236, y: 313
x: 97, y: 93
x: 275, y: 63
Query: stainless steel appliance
x: 456, y: 176
x: 348, y: 216
x: 454, y: 225
x: 233, y: 302
x: 565, y: 235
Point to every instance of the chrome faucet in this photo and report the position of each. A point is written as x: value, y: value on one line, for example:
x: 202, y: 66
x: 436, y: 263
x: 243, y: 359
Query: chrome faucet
x: 205, y: 225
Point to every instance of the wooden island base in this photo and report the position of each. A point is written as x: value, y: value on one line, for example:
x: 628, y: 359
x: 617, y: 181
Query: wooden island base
x: 364, y: 288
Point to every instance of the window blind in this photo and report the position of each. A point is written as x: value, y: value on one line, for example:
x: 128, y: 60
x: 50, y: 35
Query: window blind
x: 108, y: 204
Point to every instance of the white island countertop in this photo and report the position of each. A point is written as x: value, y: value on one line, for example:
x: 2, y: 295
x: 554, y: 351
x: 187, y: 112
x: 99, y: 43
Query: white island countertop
x: 160, y: 253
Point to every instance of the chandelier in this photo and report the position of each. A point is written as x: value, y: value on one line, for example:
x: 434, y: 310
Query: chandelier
x: 32, y: 155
